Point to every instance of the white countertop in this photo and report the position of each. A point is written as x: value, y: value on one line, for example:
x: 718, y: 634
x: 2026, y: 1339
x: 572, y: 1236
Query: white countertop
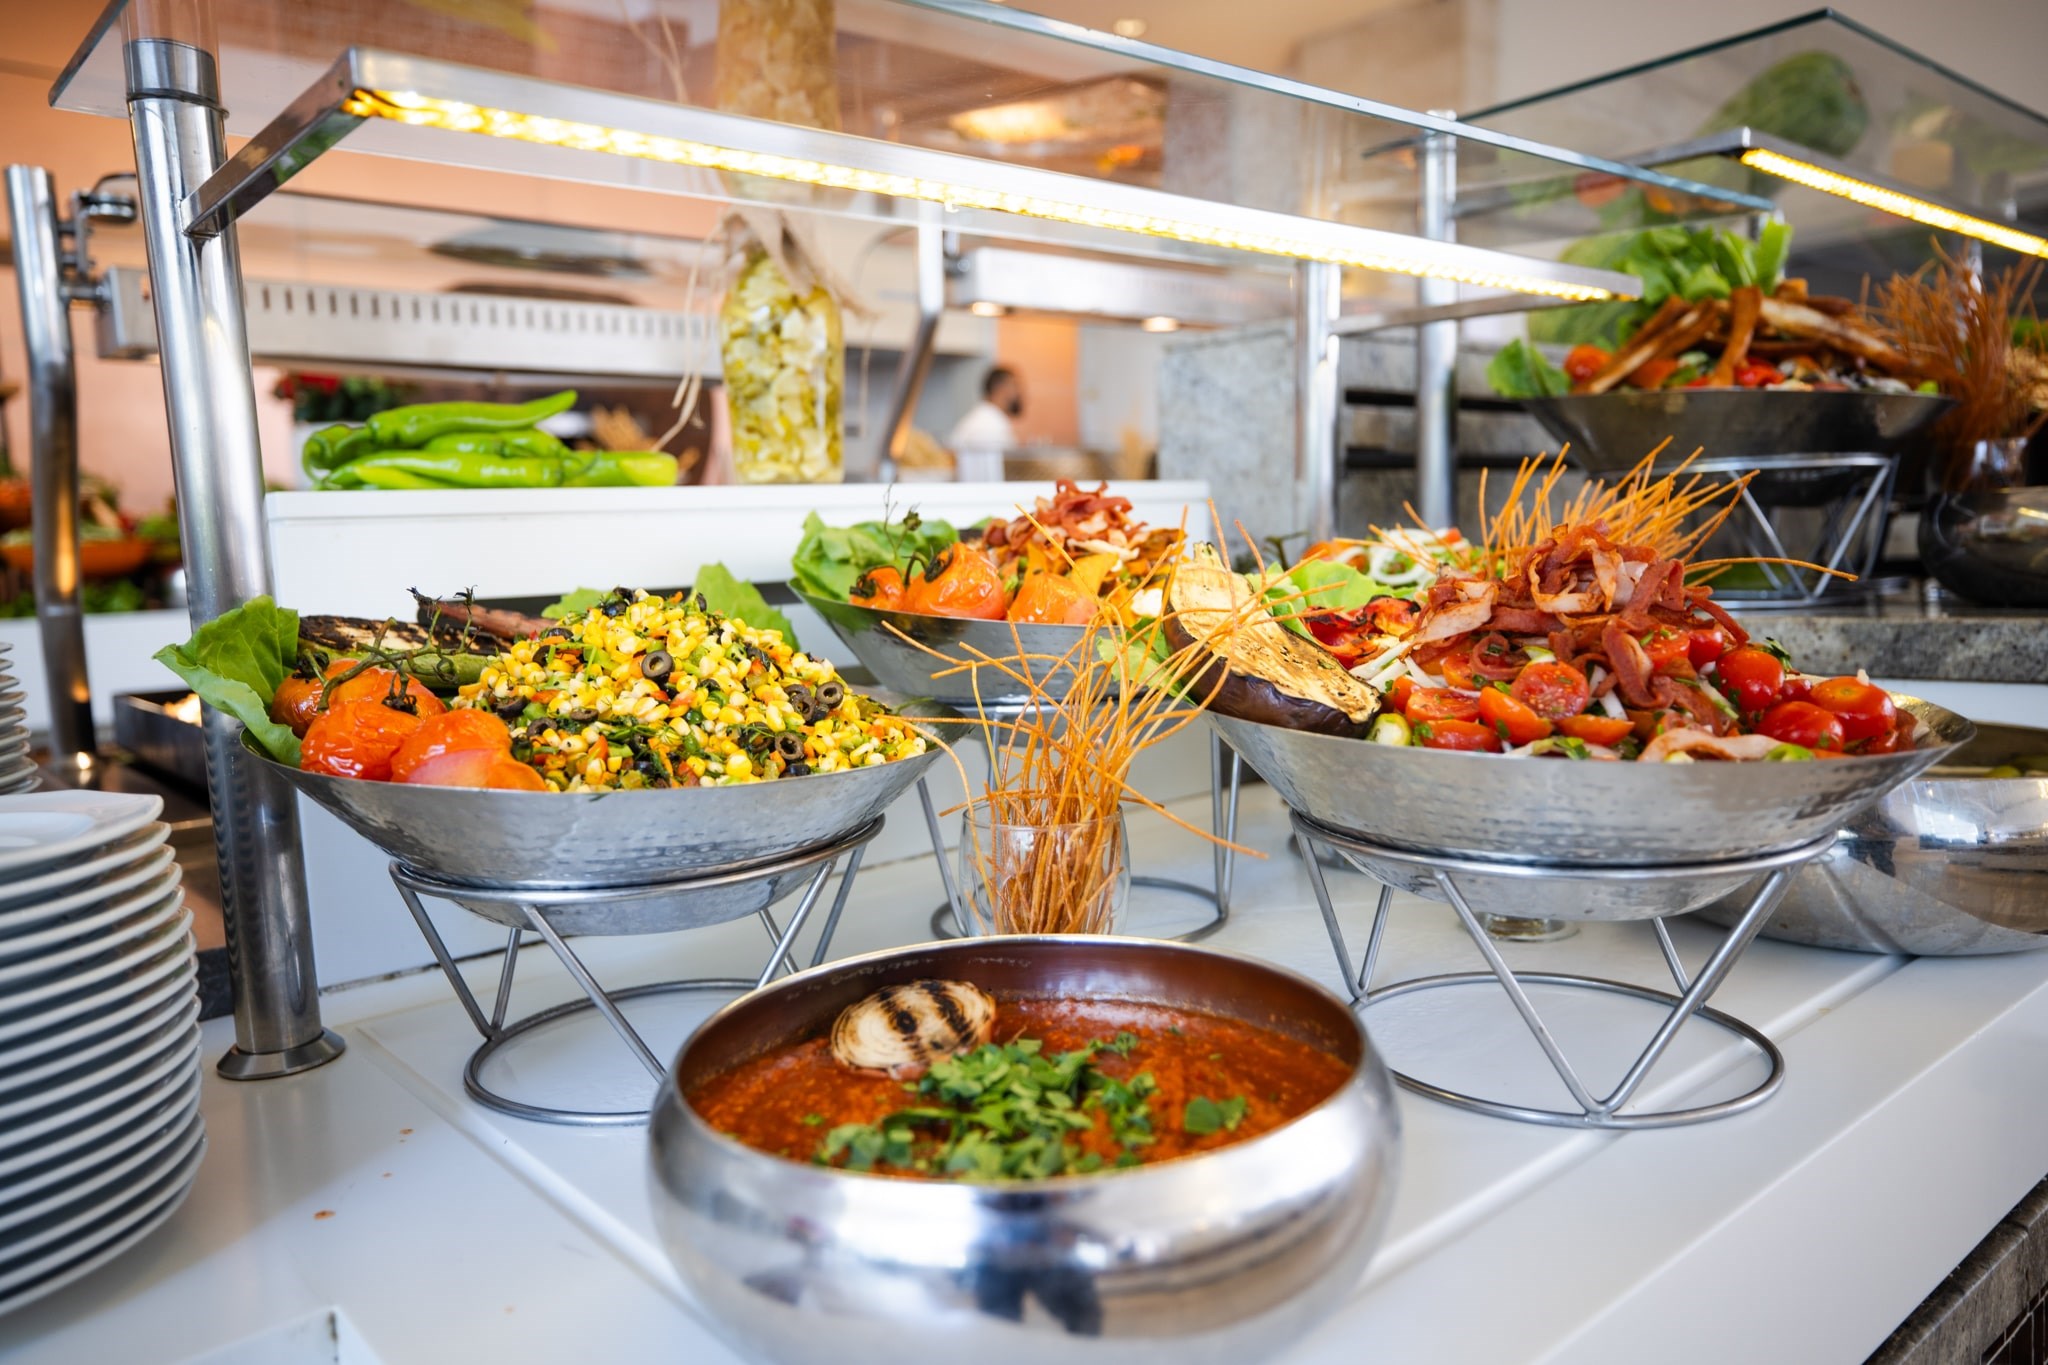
x: 368, y: 1212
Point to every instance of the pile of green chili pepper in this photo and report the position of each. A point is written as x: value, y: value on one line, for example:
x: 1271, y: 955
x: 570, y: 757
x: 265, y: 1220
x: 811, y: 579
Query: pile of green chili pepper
x: 473, y: 445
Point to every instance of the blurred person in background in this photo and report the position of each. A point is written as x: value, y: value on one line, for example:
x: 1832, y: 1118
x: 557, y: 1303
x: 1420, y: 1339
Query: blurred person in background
x: 981, y: 438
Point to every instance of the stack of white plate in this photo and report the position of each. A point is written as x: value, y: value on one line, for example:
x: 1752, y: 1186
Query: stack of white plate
x: 17, y: 769
x: 100, y: 1134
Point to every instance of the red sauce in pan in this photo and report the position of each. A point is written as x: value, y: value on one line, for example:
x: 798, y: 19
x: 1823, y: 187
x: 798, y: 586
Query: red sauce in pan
x: 785, y: 1101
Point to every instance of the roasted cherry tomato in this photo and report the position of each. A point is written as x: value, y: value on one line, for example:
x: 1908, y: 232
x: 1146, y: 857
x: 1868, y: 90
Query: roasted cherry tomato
x: 961, y: 581
x: 509, y: 774
x: 1466, y: 735
x: 1802, y: 723
x: 356, y: 739
x: 1458, y: 672
x: 375, y: 684
x: 1051, y: 599
x: 1441, y: 703
x: 1345, y: 634
x: 1552, y: 690
x: 295, y: 703
x: 1398, y: 692
x: 1584, y: 362
x: 880, y: 587
x: 1651, y: 374
x: 1865, y: 711
x: 1750, y: 677
x: 1606, y: 731
x: 1511, y: 719
x: 450, y: 733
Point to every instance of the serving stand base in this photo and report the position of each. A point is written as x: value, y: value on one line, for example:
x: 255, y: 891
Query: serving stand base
x: 546, y: 912
x: 1689, y: 1002
x: 950, y: 919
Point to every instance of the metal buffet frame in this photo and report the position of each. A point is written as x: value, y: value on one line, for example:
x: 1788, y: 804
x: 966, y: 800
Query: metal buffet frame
x: 1694, y: 988
x: 532, y: 908
x: 190, y: 194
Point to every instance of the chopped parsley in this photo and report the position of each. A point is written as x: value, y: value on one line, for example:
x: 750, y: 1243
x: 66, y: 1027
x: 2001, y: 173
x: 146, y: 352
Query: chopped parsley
x: 1203, y: 1115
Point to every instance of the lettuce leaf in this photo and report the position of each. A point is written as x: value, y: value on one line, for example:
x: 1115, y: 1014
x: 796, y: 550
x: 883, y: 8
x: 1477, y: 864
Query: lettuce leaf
x: 1519, y: 370
x: 729, y: 595
x: 573, y: 604
x: 829, y: 560
x: 235, y: 663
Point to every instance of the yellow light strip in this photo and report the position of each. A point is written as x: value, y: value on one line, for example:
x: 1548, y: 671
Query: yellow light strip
x: 427, y: 111
x: 1891, y: 201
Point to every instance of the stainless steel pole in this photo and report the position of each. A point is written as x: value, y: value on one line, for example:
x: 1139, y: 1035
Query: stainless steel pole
x: 53, y: 465
x: 1436, y: 344
x: 916, y: 365
x: 1318, y: 394
x: 175, y: 115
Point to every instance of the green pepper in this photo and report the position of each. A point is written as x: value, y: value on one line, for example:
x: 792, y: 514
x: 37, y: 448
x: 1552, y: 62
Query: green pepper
x: 377, y: 476
x: 528, y: 442
x: 620, y: 469
x: 411, y: 427
x: 463, y: 471
x: 330, y: 448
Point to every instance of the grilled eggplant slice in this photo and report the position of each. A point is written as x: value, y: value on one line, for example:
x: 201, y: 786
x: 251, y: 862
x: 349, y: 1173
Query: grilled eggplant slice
x: 1258, y: 669
x: 443, y: 659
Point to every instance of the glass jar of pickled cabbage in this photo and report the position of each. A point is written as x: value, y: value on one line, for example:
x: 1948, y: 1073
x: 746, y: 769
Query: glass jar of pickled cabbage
x: 784, y: 357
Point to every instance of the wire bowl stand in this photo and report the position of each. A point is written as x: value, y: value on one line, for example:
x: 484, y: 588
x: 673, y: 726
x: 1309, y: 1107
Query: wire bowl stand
x: 1690, y: 1001
x: 950, y: 919
x: 523, y: 909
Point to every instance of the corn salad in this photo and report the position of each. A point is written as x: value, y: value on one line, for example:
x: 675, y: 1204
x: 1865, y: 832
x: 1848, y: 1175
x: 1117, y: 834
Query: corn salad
x: 647, y: 691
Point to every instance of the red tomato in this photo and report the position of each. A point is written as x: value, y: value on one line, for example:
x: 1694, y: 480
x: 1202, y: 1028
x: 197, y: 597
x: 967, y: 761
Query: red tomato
x: 1468, y: 736
x: 1750, y: 677
x: 1345, y: 634
x: 454, y: 768
x: 1757, y: 375
x: 1707, y: 645
x: 1584, y: 362
x: 1552, y: 690
x: 1397, y: 695
x: 962, y: 581
x: 1667, y: 647
x: 295, y: 703
x: 881, y: 587
x: 375, y: 684
x: 356, y: 739
x: 1803, y: 723
x: 1865, y: 711
x: 1607, y: 731
x: 1511, y: 719
x: 1651, y: 374
x: 452, y: 733
x: 509, y: 774
x: 1051, y: 599
x: 1441, y: 703
x: 1458, y: 672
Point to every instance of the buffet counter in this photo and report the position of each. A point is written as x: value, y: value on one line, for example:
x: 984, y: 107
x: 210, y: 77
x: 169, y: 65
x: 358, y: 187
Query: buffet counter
x: 1918, y: 633
x: 369, y: 1213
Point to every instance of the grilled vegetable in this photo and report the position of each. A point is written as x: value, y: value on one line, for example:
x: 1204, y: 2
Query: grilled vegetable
x: 1258, y: 669
x: 442, y: 659
x: 902, y: 1030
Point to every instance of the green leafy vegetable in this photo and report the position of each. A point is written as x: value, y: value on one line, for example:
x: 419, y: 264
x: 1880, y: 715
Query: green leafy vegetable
x: 729, y: 595
x: 1203, y: 1115
x: 1693, y: 263
x: 1326, y: 585
x: 1519, y: 370
x: 574, y: 604
x: 236, y: 661
x: 829, y: 560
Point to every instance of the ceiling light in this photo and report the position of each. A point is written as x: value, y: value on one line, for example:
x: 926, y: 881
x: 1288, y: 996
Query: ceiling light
x: 1000, y: 187
x: 1129, y: 28
x: 1892, y: 201
x: 982, y: 308
x: 1161, y: 324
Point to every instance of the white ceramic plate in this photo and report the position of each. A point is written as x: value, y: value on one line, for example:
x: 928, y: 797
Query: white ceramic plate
x: 51, y: 1181
x: 21, y: 786
x: 77, y: 876
x: 147, y: 1076
x: 84, y: 913
x: 122, y: 1007
x: 99, y: 1170
x: 105, y: 990
x: 115, y: 1226
x: 80, y: 1073
x: 140, y: 914
x: 92, y: 1135
x: 37, y: 830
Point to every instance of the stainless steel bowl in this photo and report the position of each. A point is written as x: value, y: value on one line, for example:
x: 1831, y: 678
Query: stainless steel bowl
x: 581, y: 840
x: 1223, y: 1257
x: 1610, y: 432
x: 1558, y: 812
x: 1990, y: 547
x: 887, y: 643
x: 1942, y: 867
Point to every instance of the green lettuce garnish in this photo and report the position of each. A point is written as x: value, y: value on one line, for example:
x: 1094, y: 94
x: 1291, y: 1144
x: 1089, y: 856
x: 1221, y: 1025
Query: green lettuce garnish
x: 236, y: 662
x: 729, y: 595
x: 574, y: 604
x: 829, y: 560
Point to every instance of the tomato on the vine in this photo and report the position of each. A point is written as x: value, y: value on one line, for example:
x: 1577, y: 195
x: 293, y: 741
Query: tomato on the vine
x: 356, y: 739
x: 880, y: 587
x: 1552, y: 690
x: 1511, y: 718
x: 961, y: 581
x: 439, y: 738
x: 1467, y: 736
x: 1802, y: 723
x: 1865, y: 711
x: 375, y: 684
x: 296, y: 703
x: 1750, y: 677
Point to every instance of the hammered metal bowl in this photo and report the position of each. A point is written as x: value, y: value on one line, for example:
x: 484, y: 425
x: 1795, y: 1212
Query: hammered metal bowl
x: 1610, y: 432
x: 1941, y: 867
x: 1557, y: 812
x: 1214, y: 1259
x: 888, y: 643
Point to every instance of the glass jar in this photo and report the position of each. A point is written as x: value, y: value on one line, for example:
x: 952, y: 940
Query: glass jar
x: 784, y: 358
x: 1044, y: 878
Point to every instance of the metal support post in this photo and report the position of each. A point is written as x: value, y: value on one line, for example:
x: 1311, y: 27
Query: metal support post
x: 175, y: 115
x: 53, y: 466
x: 916, y: 365
x: 1436, y: 344
x: 1318, y: 394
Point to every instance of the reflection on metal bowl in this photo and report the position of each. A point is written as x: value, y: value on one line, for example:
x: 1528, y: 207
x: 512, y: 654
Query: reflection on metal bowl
x: 888, y: 643
x: 1222, y: 1257
x: 1610, y: 432
x: 1990, y: 547
x: 1944, y: 866
x: 1560, y: 812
